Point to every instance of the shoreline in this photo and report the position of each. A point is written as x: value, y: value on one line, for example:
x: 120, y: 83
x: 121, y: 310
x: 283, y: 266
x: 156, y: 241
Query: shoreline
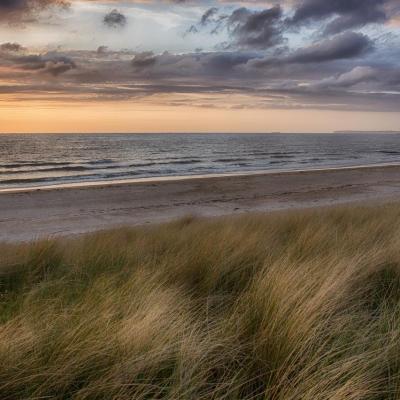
x: 40, y: 213
x: 177, y: 178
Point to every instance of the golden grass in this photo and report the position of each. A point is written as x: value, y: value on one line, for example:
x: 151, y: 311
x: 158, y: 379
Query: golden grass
x: 302, y: 305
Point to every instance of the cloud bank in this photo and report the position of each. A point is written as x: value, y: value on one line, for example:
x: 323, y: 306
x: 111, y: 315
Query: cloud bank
x: 296, y: 54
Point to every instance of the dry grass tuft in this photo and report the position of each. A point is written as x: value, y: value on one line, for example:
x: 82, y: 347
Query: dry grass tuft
x: 302, y: 305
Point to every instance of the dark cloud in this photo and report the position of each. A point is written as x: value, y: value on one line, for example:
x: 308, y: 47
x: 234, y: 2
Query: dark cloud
x: 358, y: 75
x: 50, y: 63
x: 102, y: 49
x: 347, y: 14
x: 11, y: 47
x: 256, y: 63
x: 351, y: 84
x: 207, y: 17
x: 144, y: 60
x: 211, y: 17
x: 247, y: 28
x: 114, y: 19
x: 170, y: 66
x: 256, y: 29
x: 344, y: 46
x: 57, y: 67
x: 26, y: 10
x: 225, y: 62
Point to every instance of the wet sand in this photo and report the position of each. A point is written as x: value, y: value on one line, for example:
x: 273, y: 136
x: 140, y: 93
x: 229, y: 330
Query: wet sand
x: 31, y: 214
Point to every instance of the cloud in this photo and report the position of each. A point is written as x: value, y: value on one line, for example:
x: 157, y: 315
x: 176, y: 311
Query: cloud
x: 259, y: 61
x: 208, y: 16
x: 344, y: 46
x: 364, y: 79
x: 256, y: 29
x: 11, y: 47
x: 358, y: 75
x: 201, y: 79
x: 53, y: 64
x: 347, y: 14
x: 211, y: 17
x: 14, y: 11
x: 190, y: 65
x: 144, y: 60
x: 102, y: 49
x: 114, y: 19
x: 58, y: 66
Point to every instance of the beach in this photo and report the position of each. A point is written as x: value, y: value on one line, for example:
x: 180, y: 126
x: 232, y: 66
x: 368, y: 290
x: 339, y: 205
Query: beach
x: 60, y: 211
x: 200, y: 200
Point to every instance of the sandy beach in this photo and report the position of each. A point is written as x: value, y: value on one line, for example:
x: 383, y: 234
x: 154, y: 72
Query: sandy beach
x: 32, y: 214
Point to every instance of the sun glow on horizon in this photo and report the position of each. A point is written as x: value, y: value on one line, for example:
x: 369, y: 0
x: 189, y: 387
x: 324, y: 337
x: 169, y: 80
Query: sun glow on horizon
x: 116, y: 117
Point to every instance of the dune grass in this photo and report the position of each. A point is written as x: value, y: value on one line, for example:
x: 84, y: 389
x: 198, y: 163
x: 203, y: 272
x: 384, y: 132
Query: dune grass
x: 301, y: 305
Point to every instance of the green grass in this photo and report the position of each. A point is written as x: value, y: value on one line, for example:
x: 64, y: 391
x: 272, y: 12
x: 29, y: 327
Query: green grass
x: 301, y: 305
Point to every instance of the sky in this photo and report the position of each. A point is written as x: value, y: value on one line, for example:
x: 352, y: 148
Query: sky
x: 199, y: 66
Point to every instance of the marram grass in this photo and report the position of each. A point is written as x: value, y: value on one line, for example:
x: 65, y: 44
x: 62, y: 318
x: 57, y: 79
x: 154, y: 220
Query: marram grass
x: 301, y: 305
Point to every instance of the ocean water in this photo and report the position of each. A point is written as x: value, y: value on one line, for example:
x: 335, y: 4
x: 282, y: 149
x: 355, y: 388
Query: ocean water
x: 42, y: 160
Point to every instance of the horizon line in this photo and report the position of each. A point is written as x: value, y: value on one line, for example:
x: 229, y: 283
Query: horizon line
x: 207, y: 133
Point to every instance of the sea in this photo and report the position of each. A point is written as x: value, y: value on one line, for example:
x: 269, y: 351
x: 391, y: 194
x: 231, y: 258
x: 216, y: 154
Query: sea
x: 29, y: 161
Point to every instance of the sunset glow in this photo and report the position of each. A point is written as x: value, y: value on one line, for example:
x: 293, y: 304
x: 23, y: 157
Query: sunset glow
x: 191, y: 66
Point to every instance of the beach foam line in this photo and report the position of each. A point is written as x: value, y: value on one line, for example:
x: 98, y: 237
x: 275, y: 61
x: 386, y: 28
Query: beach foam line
x: 177, y: 178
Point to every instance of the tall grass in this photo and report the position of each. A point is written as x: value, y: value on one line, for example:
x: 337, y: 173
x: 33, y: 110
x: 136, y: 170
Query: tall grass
x: 302, y: 305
